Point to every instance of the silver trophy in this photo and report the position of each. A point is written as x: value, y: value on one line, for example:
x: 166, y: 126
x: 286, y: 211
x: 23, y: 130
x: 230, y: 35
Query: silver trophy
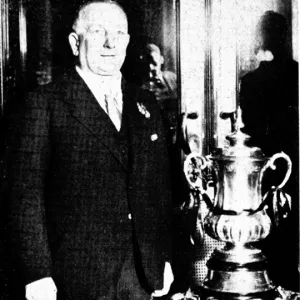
x: 237, y: 216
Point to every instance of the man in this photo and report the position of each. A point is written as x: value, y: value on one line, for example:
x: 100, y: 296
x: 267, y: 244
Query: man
x: 269, y: 102
x: 162, y: 83
x: 88, y: 172
x: 269, y: 94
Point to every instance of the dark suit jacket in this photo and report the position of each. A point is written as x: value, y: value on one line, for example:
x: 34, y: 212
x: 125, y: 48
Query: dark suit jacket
x: 269, y: 103
x: 72, y: 188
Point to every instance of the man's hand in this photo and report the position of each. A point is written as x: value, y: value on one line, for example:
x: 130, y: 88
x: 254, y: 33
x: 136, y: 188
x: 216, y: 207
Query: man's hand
x: 43, y: 289
x: 168, y: 279
x: 162, y: 94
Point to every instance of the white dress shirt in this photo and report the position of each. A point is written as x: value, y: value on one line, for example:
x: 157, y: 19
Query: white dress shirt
x: 104, y: 87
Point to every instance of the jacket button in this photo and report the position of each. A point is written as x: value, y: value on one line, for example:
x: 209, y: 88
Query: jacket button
x: 129, y: 216
x: 154, y: 137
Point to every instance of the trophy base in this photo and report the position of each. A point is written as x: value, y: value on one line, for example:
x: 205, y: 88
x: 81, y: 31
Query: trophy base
x: 238, y: 273
x: 206, y: 294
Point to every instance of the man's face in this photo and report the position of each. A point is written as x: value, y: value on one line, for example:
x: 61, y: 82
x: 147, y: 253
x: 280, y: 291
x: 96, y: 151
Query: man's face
x: 103, y: 42
x: 155, y: 62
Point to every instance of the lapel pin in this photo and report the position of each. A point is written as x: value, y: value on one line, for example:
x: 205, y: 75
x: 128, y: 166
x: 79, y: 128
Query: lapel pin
x: 154, y: 137
x: 142, y: 109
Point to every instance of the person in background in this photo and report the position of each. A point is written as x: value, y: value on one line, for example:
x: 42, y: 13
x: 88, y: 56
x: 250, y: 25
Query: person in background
x: 88, y: 174
x: 269, y: 103
x: 162, y: 83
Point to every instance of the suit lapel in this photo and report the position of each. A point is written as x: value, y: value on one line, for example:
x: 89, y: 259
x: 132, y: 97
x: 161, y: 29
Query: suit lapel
x: 84, y: 107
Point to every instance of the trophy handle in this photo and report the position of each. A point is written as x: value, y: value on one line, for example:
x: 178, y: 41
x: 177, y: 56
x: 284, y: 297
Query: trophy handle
x: 275, y: 199
x: 194, y: 164
x: 271, y: 164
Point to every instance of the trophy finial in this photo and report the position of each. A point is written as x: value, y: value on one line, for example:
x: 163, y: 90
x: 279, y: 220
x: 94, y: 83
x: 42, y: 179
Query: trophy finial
x: 239, y: 121
x: 235, y: 118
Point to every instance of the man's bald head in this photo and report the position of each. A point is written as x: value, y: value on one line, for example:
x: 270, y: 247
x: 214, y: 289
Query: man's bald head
x: 82, y: 15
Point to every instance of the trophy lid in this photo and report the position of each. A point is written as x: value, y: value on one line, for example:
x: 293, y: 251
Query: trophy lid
x: 238, y: 143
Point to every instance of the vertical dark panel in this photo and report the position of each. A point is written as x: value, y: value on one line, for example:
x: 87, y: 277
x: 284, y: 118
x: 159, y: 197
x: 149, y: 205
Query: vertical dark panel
x: 209, y: 142
x: 12, y: 64
x: 169, y: 30
x: 41, y: 41
x: 4, y: 55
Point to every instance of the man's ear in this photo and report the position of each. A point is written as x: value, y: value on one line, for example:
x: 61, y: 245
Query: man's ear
x: 162, y: 59
x: 74, y: 43
x: 127, y: 40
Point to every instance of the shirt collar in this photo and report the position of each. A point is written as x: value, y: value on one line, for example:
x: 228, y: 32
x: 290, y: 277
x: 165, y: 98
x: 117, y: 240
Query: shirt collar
x: 102, y: 84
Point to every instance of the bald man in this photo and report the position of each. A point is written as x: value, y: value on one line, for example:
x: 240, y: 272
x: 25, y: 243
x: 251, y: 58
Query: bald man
x: 89, y: 176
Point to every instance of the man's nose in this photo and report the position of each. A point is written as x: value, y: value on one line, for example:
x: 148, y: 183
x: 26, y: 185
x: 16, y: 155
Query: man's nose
x: 110, y: 41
